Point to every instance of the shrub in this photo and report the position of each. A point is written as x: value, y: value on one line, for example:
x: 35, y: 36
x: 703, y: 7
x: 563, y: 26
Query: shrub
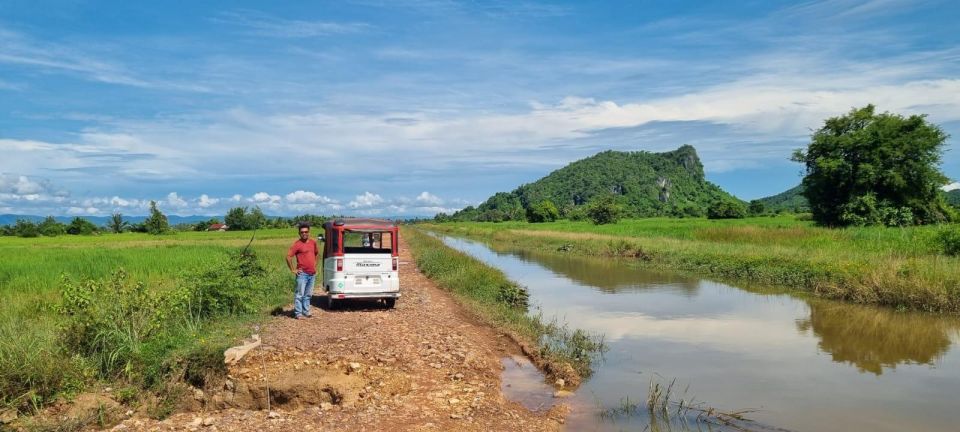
x: 25, y: 228
x: 51, y: 228
x: 950, y: 241
x: 545, y: 211
x: 604, y: 210
x: 578, y: 213
x: 726, y: 209
x: 127, y: 330
x: 81, y: 226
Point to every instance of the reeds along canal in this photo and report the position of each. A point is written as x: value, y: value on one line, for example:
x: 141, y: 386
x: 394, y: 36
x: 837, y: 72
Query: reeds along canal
x: 801, y: 363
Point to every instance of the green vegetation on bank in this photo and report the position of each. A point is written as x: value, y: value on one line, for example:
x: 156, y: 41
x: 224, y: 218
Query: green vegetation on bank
x: 130, y: 311
x: 901, y: 267
x: 501, y: 302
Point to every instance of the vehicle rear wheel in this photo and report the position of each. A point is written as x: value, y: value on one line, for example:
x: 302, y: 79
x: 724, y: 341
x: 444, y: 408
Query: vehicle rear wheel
x: 331, y: 303
x: 390, y: 302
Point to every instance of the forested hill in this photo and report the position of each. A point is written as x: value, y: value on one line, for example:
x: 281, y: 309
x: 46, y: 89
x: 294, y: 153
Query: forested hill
x: 791, y: 200
x: 953, y: 197
x: 645, y: 184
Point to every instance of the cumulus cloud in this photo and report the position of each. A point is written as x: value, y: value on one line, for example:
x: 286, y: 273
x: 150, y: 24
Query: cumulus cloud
x: 205, y: 201
x: 23, y: 185
x: 264, y: 198
x: 175, y: 201
x: 951, y: 186
x: 367, y: 200
x: 307, y: 197
x: 428, y: 198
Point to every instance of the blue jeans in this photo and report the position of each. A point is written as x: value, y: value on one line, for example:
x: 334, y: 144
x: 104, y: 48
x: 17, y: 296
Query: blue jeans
x: 301, y: 297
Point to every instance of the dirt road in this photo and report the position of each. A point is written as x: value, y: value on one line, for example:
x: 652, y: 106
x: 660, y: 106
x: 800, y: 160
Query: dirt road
x: 425, y: 365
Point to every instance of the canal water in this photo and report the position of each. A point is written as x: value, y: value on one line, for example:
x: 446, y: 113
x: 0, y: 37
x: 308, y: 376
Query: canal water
x: 799, y: 363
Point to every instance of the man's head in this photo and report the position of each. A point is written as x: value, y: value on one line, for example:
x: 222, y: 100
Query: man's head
x: 304, y: 230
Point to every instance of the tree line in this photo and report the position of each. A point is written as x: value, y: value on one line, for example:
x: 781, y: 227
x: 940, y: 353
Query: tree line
x: 157, y: 223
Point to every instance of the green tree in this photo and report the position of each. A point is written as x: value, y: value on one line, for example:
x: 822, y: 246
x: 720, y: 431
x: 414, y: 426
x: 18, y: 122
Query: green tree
x: 236, y: 219
x: 604, y: 210
x: 726, y: 209
x: 81, y: 226
x: 117, y: 224
x: 545, y: 211
x: 255, y: 219
x: 25, y: 228
x: 157, y: 222
x: 51, y: 228
x: 865, y: 168
x: 756, y: 207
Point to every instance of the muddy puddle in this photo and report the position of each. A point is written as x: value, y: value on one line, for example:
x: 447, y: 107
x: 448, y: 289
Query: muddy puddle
x: 522, y: 382
x: 797, y: 363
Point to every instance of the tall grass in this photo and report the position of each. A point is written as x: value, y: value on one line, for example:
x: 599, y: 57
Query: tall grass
x: 562, y: 353
x: 900, y: 267
x: 133, y: 310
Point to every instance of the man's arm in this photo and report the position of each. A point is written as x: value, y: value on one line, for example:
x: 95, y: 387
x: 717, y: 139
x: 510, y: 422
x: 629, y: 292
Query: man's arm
x: 293, y: 268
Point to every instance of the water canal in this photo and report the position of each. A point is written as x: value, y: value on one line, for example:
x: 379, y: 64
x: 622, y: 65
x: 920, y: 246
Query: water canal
x: 803, y: 364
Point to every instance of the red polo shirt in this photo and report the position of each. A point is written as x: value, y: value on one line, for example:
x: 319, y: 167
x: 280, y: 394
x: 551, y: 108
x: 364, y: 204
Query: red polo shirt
x: 306, y: 253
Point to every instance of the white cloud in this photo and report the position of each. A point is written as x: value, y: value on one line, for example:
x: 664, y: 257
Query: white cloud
x: 428, y: 198
x: 174, y: 200
x: 23, y: 185
x: 205, y: 201
x: 263, y: 197
x: 367, y: 200
x: 951, y: 186
x: 307, y: 197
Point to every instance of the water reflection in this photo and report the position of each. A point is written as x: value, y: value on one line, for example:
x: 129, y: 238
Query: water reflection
x: 805, y: 364
x: 607, y: 275
x: 873, y: 339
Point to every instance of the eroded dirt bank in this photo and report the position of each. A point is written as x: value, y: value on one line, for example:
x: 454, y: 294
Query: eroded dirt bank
x: 425, y: 365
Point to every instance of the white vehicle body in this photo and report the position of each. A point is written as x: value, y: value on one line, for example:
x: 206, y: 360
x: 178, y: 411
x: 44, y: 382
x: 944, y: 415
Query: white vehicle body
x: 360, y: 260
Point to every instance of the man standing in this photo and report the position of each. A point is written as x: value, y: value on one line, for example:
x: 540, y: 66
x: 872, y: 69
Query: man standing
x: 305, y: 251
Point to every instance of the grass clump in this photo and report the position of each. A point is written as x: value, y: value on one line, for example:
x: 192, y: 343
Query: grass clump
x: 668, y: 408
x: 560, y: 352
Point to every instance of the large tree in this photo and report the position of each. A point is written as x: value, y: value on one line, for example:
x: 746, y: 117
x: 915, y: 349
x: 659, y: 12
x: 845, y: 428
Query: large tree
x: 157, y: 222
x: 865, y: 168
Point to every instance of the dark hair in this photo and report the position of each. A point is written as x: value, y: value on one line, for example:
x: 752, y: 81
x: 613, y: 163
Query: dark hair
x: 303, y: 224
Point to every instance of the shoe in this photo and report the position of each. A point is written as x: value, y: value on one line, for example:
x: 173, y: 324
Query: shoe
x: 298, y: 317
x: 308, y: 315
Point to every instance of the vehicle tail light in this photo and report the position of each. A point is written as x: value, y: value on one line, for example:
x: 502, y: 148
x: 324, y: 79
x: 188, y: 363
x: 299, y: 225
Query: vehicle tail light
x: 395, y: 263
x: 339, y: 264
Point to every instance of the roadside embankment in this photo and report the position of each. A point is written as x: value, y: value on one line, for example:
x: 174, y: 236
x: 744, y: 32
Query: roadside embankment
x: 897, y: 273
x: 560, y: 352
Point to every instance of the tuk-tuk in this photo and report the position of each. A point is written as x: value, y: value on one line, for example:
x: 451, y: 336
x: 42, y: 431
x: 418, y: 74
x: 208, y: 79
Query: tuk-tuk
x: 360, y: 260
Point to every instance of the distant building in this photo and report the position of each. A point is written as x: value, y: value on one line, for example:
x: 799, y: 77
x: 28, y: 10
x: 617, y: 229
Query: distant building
x: 217, y: 227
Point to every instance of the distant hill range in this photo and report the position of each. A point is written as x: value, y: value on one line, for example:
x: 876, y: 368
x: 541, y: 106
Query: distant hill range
x: 10, y: 219
x: 645, y: 184
x: 793, y: 200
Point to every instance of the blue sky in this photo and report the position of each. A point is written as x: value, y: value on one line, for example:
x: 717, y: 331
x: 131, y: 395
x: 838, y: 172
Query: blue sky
x: 375, y: 107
